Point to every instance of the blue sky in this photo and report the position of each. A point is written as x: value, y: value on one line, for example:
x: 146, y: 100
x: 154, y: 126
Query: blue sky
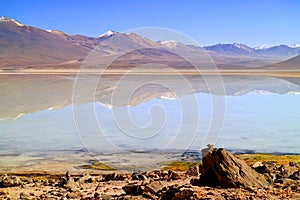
x: 252, y: 22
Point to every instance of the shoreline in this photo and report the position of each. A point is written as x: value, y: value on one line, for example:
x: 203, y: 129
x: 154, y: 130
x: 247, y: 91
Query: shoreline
x: 156, y: 183
x: 78, y: 162
x: 223, y: 72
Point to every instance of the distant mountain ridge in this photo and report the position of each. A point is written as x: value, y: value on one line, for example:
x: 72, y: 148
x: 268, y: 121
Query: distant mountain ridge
x: 264, y: 50
x: 22, y: 45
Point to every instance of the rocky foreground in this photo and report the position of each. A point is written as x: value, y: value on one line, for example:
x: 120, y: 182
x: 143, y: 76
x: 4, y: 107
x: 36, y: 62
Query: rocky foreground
x: 221, y: 176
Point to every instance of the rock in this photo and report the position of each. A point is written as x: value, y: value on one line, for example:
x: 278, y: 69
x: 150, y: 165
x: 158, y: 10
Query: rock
x: 284, y: 181
x: 221, y: 168
x: 142, y: 177
x: 287, y: 170
x: 27, y: 180
x: 187, y: 193
x: 25, y: 196
x: 270, y: 177
x: 3, y: 193
x: 115, y: 177
x: 10, y: 181
x: 128, y: 197
x: 133, y: 189
x: 150, y: 196
x: 173, y: 175
x: 266, y: 168
x: 97, y: 195
x: 271, y: 166
x: 71, y: 185
x: 154, y: 187
x: 295, y: 176
x: 296, y: 188
x: 293, y: 164
x: 74, y: 195
x: 193, y: 171
x: 257, y: 164
x: 110, y: 177
x: 155, y: 174
x: 86, y: 179
x: 181, y: 192
x: 160, y: 175
x: 134, y: 176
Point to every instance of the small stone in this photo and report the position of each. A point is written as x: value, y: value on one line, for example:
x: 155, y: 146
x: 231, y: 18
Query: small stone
x: 270, y: 177
x: 10, y: 181
x: 257, y: 164
x: 86, y: 179
x: 296, y: 188
x: 193, y: 171
x: 74, y: 195
x: 266, y: 168
x: 142, y: 177
x: 173, y: 175
x: 25, y: 196
x: 154, y: 187
x: 96, y: 195
x: 135, y: 176
x: 110, y: 177
x: 150, y: 196
x: 295, y: 176
x: 284, y: 181
x: 181, y: 192
x: 287, y: 170
x: 133, y: 189
x: 71, y: 185
x: 3, y: 192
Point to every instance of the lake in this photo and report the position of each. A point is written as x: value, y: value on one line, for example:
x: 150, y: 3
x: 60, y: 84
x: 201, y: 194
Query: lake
x: 45, y: 115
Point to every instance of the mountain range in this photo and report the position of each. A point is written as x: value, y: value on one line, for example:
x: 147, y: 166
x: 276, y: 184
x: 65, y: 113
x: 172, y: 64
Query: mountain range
x: 23, y: 46
x: 263, y: 50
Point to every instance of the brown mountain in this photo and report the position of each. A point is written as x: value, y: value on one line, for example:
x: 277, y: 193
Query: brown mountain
x: 291, y: 64
x: 22, y: 45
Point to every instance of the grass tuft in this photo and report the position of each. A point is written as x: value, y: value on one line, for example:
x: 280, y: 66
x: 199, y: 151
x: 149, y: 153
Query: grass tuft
x: 176, y: 165
x: 97, y: 165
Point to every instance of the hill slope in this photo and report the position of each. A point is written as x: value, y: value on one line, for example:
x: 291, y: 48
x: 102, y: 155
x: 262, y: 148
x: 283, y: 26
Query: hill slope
x: 22, y: 45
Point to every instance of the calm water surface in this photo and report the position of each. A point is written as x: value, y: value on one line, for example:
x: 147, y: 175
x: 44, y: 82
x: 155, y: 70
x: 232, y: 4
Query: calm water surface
x: 261, y: 115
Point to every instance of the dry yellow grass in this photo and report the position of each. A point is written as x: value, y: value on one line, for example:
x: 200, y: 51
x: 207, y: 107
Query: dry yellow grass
x: 278, y: 159
x: 179, y: 165
x: 97, y: 165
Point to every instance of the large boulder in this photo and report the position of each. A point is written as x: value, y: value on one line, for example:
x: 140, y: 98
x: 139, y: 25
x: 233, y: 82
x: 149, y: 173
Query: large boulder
x: 221, y: 168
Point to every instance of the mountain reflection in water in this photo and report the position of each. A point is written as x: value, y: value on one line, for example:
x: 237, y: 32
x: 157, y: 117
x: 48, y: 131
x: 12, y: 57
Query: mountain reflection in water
x: 124, y: 113
x: 24, y: 94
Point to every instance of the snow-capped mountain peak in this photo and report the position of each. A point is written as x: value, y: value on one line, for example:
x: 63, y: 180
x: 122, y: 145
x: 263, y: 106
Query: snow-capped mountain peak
x: 294, y: 46
x: 170, y: 43
x: 57, y: 32
x: 241, y: 46
x: 262, y: 47
x: 6, y: 19
x: 238, y: 45
x: 108, y: 33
